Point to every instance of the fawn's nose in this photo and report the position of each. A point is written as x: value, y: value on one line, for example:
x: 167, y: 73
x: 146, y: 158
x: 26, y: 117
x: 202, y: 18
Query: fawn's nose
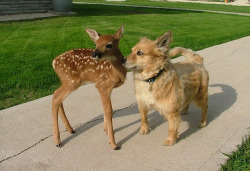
x: 124, y: 60
x: 96, y: 54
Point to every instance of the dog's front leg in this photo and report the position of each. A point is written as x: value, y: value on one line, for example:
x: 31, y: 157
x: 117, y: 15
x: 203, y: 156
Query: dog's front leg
x: 174, y: 122
x: 144, y: 119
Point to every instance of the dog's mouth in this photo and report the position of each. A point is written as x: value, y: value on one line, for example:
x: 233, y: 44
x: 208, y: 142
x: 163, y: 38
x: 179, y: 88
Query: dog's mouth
x: 129, y: 66
x: 133, y: 68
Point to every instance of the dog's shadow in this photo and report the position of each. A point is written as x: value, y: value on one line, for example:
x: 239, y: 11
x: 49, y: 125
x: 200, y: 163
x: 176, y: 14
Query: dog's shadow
x: 223, y: 98
x: 217, y: 104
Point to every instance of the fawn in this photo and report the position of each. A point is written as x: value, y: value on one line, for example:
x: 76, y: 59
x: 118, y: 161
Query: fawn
x: 102, y: 66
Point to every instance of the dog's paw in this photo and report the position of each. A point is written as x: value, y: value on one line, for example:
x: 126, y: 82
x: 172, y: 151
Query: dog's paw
x: 202, y: 124
x: 144, y: 130
x: 169, y: 143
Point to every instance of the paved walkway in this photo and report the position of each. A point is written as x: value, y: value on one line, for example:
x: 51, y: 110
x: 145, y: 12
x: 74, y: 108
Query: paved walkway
x: 18, y: 17
x: 235, y: 2
x: 167, y: 8
x: 26, y: 141
x: 33, y: 16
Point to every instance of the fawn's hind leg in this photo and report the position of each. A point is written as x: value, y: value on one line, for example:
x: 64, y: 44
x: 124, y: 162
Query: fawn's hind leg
x: 65, y: 119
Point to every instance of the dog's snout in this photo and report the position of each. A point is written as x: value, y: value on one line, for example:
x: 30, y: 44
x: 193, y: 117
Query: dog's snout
x: 96, y: 54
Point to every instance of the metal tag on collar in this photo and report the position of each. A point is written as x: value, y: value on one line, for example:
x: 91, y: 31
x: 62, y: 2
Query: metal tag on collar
x: 151, y: 81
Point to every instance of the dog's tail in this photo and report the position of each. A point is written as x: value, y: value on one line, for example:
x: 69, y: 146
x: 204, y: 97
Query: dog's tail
x: 189, y: 54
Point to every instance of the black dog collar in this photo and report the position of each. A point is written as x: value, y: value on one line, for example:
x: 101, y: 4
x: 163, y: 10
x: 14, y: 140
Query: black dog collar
x: 152, y: 80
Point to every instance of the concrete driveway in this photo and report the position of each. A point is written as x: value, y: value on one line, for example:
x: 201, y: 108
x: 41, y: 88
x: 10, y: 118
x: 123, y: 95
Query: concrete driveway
x: 26, y: 141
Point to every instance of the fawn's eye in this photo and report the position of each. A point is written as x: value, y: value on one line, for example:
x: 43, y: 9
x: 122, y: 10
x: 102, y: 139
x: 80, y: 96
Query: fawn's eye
x: 139, y: 53
x: 109, y: 46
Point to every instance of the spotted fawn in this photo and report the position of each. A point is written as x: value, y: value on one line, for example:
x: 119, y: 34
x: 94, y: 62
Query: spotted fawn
x: 102, y: 67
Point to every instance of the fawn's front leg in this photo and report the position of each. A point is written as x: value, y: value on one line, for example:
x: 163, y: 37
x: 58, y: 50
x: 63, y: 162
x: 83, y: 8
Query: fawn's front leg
x: 108, y: 113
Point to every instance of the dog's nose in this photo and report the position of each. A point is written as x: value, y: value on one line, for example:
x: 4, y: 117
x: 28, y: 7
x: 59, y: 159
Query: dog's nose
x: 96, y: 53
x: 124, y: 60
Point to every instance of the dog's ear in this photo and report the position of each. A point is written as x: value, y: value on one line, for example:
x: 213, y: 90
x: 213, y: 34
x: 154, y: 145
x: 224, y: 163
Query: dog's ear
x: 164, y: 41
x: 119, y: 33
x: 94, y: 35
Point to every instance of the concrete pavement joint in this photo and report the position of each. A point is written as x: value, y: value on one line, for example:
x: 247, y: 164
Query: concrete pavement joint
x: 43, y: 139
x: 231, y: 54
x: 219, y: 150
x: 167, y: 8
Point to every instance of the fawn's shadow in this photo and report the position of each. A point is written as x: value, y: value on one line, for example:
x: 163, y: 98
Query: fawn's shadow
x: 217, y: 104
x: 81, y: 128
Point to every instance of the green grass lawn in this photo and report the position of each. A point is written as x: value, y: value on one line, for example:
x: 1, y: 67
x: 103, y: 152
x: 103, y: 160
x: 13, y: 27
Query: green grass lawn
x: 240, y: 159
x: 28, y: 47
x: 185, y: 5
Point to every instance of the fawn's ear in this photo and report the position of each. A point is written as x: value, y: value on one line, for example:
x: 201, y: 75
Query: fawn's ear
x: 94, y: 35
x: 164, y: 41
x: 119, y: 33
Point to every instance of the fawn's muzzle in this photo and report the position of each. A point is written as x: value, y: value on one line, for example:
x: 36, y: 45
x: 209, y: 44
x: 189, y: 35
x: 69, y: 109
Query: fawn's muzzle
x: 96, y: 54
x: 124, y: 60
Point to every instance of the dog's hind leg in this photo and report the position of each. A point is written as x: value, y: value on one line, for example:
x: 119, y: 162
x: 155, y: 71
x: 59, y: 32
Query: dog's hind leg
x: 144, y: 119
x: 184, y: 109
x: 201, y: 101
x: 174, y: 122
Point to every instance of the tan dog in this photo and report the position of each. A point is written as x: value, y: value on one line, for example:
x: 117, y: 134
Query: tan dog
x: 165, y: 86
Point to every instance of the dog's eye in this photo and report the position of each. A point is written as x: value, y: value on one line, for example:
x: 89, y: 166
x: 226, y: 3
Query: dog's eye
x: 139, y: 53
x: 109, y: 46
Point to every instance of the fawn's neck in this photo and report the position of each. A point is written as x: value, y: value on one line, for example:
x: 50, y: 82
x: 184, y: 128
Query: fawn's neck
x: 118, y: 68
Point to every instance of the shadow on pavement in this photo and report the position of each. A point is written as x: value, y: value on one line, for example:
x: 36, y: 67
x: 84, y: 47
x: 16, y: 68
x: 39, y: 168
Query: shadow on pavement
x: 217, y: 104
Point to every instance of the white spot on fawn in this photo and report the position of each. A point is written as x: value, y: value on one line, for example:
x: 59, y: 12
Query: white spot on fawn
x: 102, y: 75
x: 91, y: 70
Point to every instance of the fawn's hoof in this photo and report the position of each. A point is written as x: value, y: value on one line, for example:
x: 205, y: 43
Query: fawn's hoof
x: 59, y: 145
x: 117, y: 148
x: 73, y: 132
